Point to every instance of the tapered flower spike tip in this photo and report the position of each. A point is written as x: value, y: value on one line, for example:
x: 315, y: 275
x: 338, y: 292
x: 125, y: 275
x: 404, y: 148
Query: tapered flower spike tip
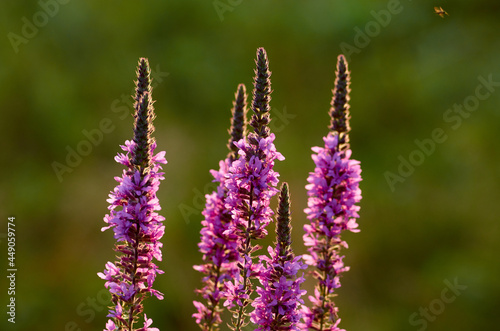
x: 144, y: 116
x: 143, y: 83
x: 284, y: 225
x: 261, y: 95
x: 238, y: 121
x: 339, y: 111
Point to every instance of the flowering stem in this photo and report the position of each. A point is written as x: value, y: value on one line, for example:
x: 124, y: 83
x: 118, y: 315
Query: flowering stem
x: 133, y: 217
x: 333, y: 192
x: 251, y: 182
x: 279, y: 303
x: 219, y: 248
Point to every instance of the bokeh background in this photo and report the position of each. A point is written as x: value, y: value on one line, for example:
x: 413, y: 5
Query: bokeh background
x: 77, y: 69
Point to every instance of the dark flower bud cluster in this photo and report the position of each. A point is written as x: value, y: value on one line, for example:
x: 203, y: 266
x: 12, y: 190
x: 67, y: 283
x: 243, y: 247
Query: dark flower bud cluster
x: 261, y: 97
x: 339, y: 111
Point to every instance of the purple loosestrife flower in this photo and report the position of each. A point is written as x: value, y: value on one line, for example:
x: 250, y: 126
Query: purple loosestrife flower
x: 251, y: 182
x: 333, y: 192
x: 278, y: 304
x: 219, y: 249
x: 134, y: 219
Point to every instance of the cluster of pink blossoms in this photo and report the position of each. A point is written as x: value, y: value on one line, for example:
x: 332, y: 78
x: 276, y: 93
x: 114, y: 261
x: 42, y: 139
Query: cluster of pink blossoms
x: 279, y: 300
x: 251, y: 183
x: 333, y: 191
x: 219, y: 250
x: 135, y: 223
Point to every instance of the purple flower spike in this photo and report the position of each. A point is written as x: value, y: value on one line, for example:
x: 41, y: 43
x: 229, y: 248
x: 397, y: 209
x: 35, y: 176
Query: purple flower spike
x: 333, y: 192
x: 134, y: 219
x: 218, y: 247
x: 279, y: 301
x: 251, y: 183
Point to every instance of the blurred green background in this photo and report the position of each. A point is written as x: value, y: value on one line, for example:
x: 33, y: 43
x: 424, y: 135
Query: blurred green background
x: 77, y: 69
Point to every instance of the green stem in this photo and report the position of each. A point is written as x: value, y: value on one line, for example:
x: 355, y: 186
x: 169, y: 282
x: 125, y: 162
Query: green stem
x: 246, y: 252
x: 136, y: 257
x: 214, y: 306
x: 323, y: 294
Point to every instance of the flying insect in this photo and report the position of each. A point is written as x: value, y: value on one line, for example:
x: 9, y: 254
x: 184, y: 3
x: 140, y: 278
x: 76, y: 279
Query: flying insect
x: 440, y: 11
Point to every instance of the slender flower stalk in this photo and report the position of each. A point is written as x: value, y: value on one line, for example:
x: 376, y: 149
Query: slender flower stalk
x: 333, y: 192
x: 251, y: 182
x: 279, y: 301
x: 219, y: 249
x: 133, y: 217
